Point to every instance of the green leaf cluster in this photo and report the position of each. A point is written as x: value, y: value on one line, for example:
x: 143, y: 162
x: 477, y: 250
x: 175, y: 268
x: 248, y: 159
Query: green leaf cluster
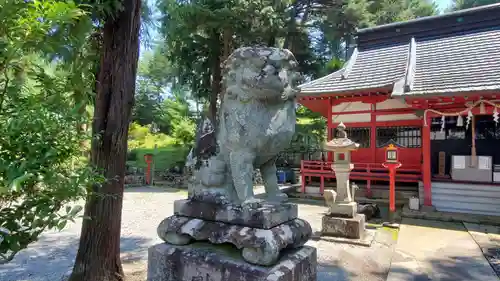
x: 42, y: 74
x: 466, y: 4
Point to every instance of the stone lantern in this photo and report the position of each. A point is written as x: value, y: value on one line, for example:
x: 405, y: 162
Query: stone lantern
x: 342, y: 146
x: 342, y: 218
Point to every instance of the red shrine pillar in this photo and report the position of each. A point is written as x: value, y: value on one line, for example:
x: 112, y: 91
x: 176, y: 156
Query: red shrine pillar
x: 426, y: 161
x: 373, y: 146
x: 329, y: 127
x: 148, y: 158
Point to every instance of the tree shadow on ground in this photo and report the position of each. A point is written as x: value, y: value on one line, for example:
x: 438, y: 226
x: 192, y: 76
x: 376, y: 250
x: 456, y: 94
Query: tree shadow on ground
x: 454, y: 268
x: 53, y: 256
x: 333, y: 271
x: 337, y: 271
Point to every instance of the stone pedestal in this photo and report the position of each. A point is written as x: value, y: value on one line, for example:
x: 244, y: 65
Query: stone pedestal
x: 266, y: 215
x: 353, y: 228
x: 343, y: 210
x: 261, y: 231
x: 342, y: 172
x: 208, y: 262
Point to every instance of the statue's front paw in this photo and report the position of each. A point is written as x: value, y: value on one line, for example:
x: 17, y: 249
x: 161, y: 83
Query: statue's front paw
x: 278, y: 197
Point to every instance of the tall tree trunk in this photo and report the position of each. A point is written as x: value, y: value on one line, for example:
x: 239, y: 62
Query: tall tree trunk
x: 216, y: 76
x: 291, y: 26
x: 98, y: 255
x: 227, y: 39
x: 271, y: 41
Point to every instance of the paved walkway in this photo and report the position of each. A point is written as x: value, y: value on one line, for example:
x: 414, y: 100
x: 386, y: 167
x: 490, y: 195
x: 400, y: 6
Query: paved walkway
x: 488, y: 239
x: 432, y: 250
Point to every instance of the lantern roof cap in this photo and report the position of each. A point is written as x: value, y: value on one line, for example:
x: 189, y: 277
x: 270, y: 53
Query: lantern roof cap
x: 341, y: 142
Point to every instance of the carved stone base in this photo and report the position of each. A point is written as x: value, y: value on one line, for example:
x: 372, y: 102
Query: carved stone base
x: 207, y: 262
x: 218, y: 196
x: 343, y: 210
x: 265, y: 215
x: 259, y: 246
x: 344, y: 227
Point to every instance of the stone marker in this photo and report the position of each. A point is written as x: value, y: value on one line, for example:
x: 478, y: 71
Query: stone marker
x: 256, y: 121
x: 342, y: 219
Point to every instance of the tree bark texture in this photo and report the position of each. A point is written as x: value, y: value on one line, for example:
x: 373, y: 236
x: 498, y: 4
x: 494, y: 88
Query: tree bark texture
x: 216, y: 76
x: 98, y: 257
x: 227, y: 39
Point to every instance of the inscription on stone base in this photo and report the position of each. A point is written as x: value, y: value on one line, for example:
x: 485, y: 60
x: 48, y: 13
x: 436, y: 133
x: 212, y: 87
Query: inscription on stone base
x: 266, y: 215
x: 344, y: 227
x: 206, y: 262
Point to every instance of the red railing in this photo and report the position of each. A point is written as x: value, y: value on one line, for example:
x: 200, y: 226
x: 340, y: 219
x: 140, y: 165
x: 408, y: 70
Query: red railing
x: 361, y: 171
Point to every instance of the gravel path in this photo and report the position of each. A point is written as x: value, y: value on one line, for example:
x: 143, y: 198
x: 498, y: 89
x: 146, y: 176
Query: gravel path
x: 53, y: 255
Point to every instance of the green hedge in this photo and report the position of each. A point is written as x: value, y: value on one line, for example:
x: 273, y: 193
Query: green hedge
x: 163, y: 157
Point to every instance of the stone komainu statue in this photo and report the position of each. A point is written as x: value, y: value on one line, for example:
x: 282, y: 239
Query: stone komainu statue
x: 256, y: 121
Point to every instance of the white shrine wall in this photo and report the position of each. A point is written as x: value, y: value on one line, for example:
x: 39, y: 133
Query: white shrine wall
x: 366, y: 117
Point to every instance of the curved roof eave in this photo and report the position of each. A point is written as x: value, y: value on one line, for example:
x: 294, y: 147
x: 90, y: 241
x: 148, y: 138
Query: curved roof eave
x: 338, y: 72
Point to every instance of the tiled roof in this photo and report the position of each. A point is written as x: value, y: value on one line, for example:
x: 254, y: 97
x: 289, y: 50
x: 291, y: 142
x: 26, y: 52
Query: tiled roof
x: 463, y: 63
x: 375, y: 68
x: 422, y: 59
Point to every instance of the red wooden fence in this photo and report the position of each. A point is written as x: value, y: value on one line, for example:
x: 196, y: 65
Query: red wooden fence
x: 361, y: 171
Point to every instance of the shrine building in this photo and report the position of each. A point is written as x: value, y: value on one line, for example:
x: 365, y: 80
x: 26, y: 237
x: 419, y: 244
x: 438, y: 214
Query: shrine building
x: 432, y: 86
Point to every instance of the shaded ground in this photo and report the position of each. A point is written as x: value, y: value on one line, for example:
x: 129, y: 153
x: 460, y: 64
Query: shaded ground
x: 488, y: 239
x: 52, y: 256
x: 436, y: 250
x: 339, y: 261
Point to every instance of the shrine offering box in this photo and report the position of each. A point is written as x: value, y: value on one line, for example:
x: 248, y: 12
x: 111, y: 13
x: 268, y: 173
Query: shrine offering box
x: 496, y: 173
x: 464, y: 169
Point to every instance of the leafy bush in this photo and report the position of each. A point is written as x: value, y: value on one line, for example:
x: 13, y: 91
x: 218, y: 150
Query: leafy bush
x: 184, y: 131
x: 167, y: 153
x: 132, y: 155
x: 141, y: 137
x: 164, y: 157
x: 40, y: 153
x: 38, y: 150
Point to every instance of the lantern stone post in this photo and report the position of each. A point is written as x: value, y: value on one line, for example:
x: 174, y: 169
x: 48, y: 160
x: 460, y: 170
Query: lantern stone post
x: 342, y: 219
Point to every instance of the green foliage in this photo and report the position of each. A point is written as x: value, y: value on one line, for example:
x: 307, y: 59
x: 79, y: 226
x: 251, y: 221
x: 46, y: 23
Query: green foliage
x: 164, y: 157
x: 143, y: 137
x: 184, y: 131
x: 388, y: 11
x: 40, y: 163
x: 340, y: 21
x: 310, y: 131
x: 152, y: 105
x: 197, y: 33
x: 168, y: 150
x: 466, y: 4
x: 147, y: 107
